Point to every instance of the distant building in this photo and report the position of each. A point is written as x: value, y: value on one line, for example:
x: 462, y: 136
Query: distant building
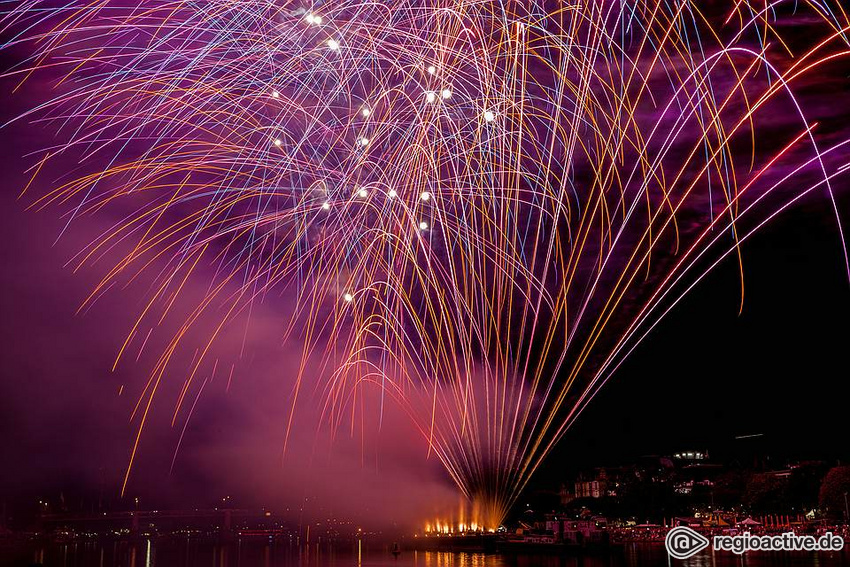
x: 590, y: 488
x: 691, y: 455
x: 565, y: 495
x: 603, y: 483
x: 573, y: 531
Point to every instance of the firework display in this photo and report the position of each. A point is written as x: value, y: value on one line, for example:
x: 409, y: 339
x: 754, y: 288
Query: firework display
x: 476, y: 209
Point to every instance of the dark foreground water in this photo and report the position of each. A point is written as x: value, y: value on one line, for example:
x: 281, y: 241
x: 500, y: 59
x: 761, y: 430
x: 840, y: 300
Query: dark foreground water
x: 257, y: 554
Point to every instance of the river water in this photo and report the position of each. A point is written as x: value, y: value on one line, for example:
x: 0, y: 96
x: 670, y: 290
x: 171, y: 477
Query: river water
x: 189, y: 553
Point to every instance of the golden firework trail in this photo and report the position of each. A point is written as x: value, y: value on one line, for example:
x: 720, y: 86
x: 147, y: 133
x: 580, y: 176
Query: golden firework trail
x: 477, y: 209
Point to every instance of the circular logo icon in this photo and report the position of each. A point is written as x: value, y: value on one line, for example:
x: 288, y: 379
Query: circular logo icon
x: 683, y: 542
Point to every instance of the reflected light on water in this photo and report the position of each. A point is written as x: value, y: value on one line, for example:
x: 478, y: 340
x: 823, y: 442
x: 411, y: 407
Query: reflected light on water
x: 363, y: 553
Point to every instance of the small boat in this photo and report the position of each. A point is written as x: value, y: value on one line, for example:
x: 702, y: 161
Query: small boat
x: 396, y: 550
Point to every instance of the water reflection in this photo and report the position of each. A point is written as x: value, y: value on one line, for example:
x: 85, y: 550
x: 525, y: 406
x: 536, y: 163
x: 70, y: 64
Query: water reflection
x: 194, y: 553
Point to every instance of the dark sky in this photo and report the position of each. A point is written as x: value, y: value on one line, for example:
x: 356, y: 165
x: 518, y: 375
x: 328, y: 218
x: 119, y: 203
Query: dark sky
x: 709, y: 374
x: 704, y: 376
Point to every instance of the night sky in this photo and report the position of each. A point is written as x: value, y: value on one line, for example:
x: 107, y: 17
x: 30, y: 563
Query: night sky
x: 709, y: 374
x: 704, y: 376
